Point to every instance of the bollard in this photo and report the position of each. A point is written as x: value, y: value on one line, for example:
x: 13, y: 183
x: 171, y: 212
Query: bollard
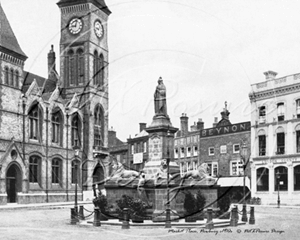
x: 97, y: 213
x: 209, y: 223
x: 233, y: 219
x: 251, y: 219
x: 81, y: 214
x: 244, y: 216
x: 73, y: 218
x: 125, y: 224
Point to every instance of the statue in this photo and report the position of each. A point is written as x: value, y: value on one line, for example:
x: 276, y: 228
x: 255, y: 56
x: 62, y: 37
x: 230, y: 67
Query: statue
x: 160, y: 102
x: 120, y: 173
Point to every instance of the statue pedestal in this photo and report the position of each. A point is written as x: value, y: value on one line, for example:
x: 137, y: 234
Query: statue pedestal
x: 160, y: 200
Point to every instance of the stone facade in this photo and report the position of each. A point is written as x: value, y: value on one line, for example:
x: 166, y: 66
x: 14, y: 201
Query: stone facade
x: 275, y: 139
x: 45, y: 121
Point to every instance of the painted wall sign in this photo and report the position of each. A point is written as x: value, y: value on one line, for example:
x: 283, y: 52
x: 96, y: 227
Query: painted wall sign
x: 234, y: 128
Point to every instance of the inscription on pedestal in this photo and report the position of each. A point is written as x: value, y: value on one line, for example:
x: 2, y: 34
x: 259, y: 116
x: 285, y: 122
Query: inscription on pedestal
x: 155, y: 149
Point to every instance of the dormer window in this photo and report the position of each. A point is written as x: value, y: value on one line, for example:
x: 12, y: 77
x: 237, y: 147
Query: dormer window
x: 280, y: 112
x: 262, y: 114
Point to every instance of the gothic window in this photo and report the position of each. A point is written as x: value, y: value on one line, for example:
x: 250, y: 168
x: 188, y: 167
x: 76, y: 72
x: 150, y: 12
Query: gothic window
x: 195, y: 151
x: 56, y: 171
x: 57, y: 127
x: 34, y: 169
x: 281, y: 178
x: 80, y: 64
x: 98, y: 72
x: 35, y: 123
x: 297, y: 178
x: 280, y: 140
x: 262, y: 175
x: 98, y: 127
x: 72, y: 69
x: 101, y: 68
x: 6, y: 76
x: 76, y: 130
x: 95, y: 69
x: 17, y: 79
x: 75, y: 171
x: 280, y: 111
x: 11, y: 77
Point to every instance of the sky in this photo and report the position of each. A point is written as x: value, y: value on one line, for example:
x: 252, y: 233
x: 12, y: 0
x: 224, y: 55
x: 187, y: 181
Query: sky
x: 207, y: 52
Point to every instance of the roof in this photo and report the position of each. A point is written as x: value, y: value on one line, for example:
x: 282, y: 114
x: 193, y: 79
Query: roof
x: 8, y: 40
x: 99, y: 3
x: 49, y: 85
x: 234, y: 181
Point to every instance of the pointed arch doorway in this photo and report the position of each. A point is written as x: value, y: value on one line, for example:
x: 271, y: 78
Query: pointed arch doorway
x: 98, y: 177
x: 13, y: 183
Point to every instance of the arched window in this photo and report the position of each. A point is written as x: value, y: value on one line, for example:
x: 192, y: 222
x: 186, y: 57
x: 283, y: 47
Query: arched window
x: 261, y: 143
x: 298, y: 108
x: 98, y: 126
x: 96, y: 69
x: 80, y: 64
x: 17, y: 79
x: 34, y: 169
x: 56, y: 171
x: 297, y: 178
x: 101, y: 69
x: 57, y: 126
x: 280, y: 140
x: 75, y: 171
x: 11, y: 77
x: 72, y: 68
x: 35, y: 123
x: 262, y: 179
x: 6, y: 77
x: 76, y: 130
x: 280, y: 111
x: 281, y: 178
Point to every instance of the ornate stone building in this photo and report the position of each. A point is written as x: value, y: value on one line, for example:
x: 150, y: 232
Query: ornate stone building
x: 275, y: 139
x: 54, y: 130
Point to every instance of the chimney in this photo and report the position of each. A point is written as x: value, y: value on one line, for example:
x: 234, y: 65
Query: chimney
x: 215, y: 122
x: 184, y: 124
x: 142, y: 126
x: 200, y: 124
x: 112, y: 135
x: 270, y: 75
x: 51, y: 62
x: 194, y: 127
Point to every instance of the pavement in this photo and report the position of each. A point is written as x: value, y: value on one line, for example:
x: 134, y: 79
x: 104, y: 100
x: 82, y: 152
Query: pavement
x: 52, y: 205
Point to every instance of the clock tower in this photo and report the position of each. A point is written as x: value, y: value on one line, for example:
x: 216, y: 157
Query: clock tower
x: 84, y: 77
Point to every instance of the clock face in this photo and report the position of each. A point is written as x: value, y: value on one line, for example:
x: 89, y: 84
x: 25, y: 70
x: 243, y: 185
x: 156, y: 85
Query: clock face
x: 75, y: 25
x: 98, y: 29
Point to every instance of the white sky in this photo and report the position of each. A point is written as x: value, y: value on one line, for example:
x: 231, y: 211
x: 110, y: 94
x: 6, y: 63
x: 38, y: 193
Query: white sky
x: 207, y: 52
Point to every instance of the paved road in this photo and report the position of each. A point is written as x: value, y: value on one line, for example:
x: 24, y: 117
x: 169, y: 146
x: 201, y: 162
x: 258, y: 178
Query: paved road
x: 271, y: 223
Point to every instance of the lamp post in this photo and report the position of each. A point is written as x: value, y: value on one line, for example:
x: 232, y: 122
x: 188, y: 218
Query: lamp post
x: 168, y: 210
x: 245, y: 158
x: 278, y: 185
x: 76, y: 150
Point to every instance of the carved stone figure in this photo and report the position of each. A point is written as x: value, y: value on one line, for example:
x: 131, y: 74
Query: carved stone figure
x: 119, y: 173
x: 160, y: 102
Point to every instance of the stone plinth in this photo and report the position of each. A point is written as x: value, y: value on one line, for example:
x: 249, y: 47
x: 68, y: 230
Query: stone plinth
x: 155, y: 194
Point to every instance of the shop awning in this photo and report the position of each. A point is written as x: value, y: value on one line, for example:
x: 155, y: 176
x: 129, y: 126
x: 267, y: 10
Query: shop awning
x: 233, y: 181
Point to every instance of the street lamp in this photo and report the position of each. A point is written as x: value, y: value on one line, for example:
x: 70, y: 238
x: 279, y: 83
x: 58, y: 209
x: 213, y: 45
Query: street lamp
x: 168, y: 210
x: 245, y: 158
x: 278, y: 178
x: 76, y: 151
